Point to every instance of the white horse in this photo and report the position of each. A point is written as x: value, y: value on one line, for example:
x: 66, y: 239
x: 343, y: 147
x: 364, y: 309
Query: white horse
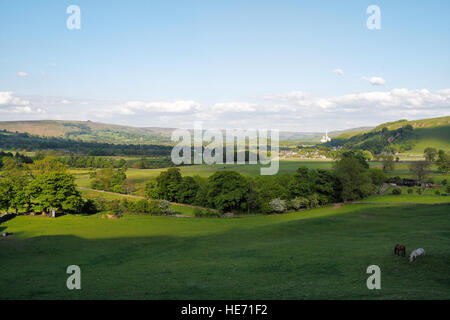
x: 416, y: 253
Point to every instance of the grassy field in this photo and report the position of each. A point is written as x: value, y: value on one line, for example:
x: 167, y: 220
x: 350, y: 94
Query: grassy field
x: 91, y: 194
x: 314, y: 254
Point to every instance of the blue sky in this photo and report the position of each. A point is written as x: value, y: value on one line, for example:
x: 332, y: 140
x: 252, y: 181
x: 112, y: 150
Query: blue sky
x: 228, y: 63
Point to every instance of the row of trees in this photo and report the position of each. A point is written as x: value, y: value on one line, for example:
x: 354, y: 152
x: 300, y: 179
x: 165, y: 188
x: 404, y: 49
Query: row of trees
x: 110, y: 179
x: 42, y: 186
x: 92, y: 162
x: 225, y: 190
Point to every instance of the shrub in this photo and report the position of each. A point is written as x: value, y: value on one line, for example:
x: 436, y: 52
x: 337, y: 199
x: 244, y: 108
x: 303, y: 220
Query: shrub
x: 198, y: 212
x: 206, y: 213
x: 444, y: 182
x: 313, y: 200
x: 164, y: 205
x: 299, y: 202
x: 410, y: 191
x: 419, y: 190
x: 278, y: 205
x: 437, y: 192
x: 448, y: 189
x: 397, y: 191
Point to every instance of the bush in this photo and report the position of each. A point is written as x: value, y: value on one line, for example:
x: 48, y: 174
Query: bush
x: 299, y: 203
x: 448, y: 189
x: 206, y: 213
x: 313, y: 200
x: 410, y: 191
x: 419, y: 190
x: 198, y: 212
x: 397, y: 191
x: 437, y: 192
x: 444, y: 182
x: 278, y: 205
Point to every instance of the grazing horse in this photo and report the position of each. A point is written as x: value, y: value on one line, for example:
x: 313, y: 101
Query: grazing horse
x: 400, y: 249
x: 416, y: 253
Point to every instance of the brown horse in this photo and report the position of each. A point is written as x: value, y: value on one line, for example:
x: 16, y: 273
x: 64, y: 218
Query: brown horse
x: 400, y: 250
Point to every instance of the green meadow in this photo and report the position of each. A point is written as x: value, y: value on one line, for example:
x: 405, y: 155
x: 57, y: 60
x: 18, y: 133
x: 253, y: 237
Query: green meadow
x: 313, y: 254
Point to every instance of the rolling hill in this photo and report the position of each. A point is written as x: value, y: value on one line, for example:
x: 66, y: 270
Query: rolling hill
x: 111, y: 133
x: 396, y: 136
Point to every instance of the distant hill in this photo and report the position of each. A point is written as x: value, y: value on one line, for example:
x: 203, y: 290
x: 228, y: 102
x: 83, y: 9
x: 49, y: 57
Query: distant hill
x: 110, y: 133
x: 396, y: 136
x: 428, y: 132
x: 90, y: 131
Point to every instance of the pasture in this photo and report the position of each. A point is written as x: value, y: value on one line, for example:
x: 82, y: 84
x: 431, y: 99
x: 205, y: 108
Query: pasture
x: 313, y: 254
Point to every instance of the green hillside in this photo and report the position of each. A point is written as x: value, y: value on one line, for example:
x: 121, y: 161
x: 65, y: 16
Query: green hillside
x: 402, y: 136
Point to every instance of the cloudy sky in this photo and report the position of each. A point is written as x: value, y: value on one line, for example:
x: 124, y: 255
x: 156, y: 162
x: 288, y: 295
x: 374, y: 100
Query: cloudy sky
x: 288, y: 65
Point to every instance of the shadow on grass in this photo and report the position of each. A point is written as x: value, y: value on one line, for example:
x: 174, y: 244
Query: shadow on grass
x: 316, y: 258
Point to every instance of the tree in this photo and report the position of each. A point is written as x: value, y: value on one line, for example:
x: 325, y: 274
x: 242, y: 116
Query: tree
x: 168, y: 182
x: 326, y: 186
x: 378, y: 177
x: 55, y: 190
x: 301, y: 183
x: 187, y: 190
x: 151, y: 190
x: 418, y: 169
x: 48, y: 164
x: 388, y: 162
x: 227, y: 190
x: 443, y: 161
x: 268, y: 188
x: 355, y: 180
x: 430, y: 154
x: 367, y: 155
x: 14, y: 185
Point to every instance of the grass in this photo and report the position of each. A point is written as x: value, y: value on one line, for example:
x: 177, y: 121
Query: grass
x: 314, y: 254
x: 408, y: 198
x: 91, y: 194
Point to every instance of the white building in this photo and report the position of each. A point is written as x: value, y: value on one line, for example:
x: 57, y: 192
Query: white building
x: 325, y: 138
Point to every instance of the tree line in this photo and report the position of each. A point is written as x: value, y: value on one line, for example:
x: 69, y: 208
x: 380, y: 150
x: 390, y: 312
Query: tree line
x: 350, y: 179
x: 42, y: 186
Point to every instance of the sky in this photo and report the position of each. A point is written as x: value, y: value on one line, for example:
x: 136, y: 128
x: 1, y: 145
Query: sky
x: 287, y: 65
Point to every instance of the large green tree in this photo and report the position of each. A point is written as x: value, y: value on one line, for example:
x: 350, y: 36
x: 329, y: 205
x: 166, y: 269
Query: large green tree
x: 168, y: 183
x: 57, y: 191
x: 354, y: 177
x: 187, y: 190
x: 227, y: 191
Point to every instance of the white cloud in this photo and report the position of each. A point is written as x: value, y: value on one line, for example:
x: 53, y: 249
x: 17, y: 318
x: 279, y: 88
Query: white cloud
x: 8, y: 99
x: 181, y: 106
x: 339, y: 71
x: 294, y: 111
x: 22, y: 74
x: 375, y: 81
x: 234, y: 107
